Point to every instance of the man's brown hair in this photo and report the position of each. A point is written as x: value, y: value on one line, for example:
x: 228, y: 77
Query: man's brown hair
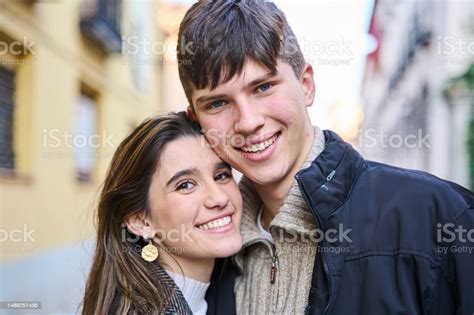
x: 216, y: 38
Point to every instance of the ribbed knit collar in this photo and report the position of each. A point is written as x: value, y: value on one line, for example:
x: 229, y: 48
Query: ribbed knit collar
x: 193, y: 291
x: 293, y: 216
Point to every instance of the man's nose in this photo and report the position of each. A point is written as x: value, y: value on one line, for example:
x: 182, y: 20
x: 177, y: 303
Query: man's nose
x: 249, y: 118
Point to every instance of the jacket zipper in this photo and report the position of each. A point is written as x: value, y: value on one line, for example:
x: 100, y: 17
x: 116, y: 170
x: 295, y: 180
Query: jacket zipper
x: 325, y: 264
x: 274, y: 265
x: 274, y: 268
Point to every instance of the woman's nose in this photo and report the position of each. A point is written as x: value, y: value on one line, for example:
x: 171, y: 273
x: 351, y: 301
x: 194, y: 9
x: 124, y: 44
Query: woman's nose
x: 216, y: 197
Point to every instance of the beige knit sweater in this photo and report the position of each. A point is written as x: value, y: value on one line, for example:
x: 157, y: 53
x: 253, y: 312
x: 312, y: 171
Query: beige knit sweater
x: 292, y: 252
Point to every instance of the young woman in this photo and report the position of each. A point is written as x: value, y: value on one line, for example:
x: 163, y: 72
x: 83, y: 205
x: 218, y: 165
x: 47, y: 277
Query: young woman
x: 169, y: 207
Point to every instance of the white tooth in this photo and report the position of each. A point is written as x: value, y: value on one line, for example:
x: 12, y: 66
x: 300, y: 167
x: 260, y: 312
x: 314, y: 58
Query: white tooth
x: 267, y: 143
x: 216, y: 223
x: 261, y: 146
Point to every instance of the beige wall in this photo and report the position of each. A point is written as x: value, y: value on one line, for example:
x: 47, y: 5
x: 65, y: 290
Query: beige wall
x: 44, y: 195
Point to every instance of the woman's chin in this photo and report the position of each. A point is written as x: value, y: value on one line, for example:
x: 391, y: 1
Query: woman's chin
x: 228, y: 249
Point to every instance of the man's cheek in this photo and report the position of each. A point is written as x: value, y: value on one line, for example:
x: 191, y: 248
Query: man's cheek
x: 213, y: 138
x: 236, y: 140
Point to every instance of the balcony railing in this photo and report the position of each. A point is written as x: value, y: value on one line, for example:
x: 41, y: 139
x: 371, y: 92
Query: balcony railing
x: 100, y: 22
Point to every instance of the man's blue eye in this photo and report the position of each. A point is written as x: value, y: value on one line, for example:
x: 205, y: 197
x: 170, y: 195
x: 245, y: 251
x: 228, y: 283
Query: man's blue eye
x: 216, y: 104
x: 264, y: 87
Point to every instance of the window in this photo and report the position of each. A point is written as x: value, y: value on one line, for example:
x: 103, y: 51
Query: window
x: 7, y: 89
x: 85, y: 138
x: 100, y: 22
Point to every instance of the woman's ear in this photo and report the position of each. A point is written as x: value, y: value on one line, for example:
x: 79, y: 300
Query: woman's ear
x: 139, y: 225
x: 307, y: 83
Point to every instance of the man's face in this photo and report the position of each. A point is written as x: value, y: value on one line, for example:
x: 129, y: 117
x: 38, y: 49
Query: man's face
x: 258, y: 121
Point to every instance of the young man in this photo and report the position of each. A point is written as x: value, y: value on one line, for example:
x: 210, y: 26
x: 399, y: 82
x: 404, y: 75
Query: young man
x: 324, y: 231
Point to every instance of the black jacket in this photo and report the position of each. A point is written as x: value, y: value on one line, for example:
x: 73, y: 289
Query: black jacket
x: 410, y: 247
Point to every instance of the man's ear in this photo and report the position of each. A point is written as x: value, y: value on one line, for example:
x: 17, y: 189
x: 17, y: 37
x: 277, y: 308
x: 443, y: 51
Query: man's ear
x: 139, y: 225
x: 307, y: 82
x: 191, y: 113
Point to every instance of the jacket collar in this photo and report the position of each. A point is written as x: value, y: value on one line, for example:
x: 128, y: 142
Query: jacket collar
x: 326, y: 183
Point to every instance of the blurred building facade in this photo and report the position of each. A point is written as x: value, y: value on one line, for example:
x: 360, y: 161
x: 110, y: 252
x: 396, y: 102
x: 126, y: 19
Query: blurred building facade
x: 417, y: 97
x: 170, y: 13
x: 75, y: 78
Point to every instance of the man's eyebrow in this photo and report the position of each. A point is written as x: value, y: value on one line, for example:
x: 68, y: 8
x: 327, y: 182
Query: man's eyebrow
x: 262, y: 79
x: 208, y: 98
x: 186, y: 172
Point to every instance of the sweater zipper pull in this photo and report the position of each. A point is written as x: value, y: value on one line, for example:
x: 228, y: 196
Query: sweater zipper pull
x: 274, y: 269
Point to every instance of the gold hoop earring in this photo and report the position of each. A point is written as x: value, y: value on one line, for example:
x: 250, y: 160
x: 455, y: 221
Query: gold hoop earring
x: 149, y: 252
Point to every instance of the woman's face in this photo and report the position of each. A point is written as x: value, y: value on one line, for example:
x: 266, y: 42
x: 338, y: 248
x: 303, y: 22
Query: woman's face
x: 195, y: 203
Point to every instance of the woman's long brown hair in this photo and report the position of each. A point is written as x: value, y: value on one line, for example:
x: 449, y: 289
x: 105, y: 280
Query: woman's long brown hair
x: 118, y: 274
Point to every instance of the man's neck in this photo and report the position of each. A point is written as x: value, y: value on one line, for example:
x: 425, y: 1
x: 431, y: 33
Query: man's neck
x: 273, y: 195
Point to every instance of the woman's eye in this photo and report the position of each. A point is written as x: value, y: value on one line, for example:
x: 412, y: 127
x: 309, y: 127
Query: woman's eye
x: 187, y: 185
x: 223, y: 176
x: 264, y: 87
x: 215, y: 105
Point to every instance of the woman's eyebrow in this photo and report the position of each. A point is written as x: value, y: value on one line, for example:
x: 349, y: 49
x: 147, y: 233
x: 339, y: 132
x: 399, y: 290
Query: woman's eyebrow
x: 186, y: 172
x: 222, y: 164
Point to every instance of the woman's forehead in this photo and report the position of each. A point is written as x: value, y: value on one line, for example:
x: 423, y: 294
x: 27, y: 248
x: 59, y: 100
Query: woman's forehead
x: 188, y: 152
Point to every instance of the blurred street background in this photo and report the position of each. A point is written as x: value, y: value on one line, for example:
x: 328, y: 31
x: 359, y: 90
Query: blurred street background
x: 394, y: 78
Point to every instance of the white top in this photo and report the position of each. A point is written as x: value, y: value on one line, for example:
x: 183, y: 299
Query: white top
x: 194, y: 292
x: 260, y: 228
